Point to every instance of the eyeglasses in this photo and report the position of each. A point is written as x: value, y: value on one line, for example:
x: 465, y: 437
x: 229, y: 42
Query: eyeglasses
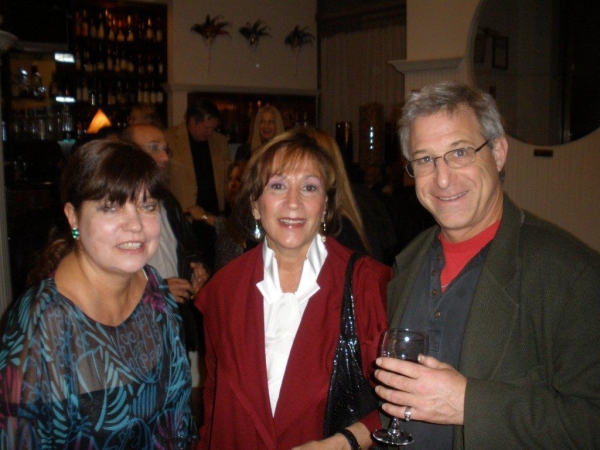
x: 455, y: 159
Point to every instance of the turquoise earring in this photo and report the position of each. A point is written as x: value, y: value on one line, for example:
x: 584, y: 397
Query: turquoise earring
x: 75, y: 233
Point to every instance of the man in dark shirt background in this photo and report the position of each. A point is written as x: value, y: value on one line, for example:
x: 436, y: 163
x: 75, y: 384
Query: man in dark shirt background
x: 198, y: 171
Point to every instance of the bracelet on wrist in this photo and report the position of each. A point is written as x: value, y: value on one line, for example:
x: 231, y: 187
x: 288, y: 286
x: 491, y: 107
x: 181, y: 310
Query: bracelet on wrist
x: 349, y: 435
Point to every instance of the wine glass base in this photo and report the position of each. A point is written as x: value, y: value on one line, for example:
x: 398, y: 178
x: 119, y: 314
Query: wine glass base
x: 392, y: 437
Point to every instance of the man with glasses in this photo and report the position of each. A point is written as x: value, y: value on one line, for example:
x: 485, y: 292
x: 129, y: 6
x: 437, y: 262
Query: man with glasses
x: 510, y: 302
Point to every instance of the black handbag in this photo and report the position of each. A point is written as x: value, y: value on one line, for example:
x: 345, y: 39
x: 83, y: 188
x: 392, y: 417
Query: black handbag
x: 351, y: 397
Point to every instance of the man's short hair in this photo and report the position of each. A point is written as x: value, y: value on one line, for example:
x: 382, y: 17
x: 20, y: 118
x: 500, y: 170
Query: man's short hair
x: 449, y: 96
x: 200, y: 109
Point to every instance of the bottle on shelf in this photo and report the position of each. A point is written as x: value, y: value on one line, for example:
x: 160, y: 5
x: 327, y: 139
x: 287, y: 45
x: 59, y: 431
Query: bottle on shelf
x: 159, y: 30
x: 120, y: 33
x: 112, y: 29
x: 149, y: 30
x: 130, y: 34
x: 37, y: 85
x: 85, y: 26
x: 101, y: 31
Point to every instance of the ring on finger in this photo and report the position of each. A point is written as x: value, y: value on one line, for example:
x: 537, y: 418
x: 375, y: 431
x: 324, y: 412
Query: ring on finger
x: 407, y: 414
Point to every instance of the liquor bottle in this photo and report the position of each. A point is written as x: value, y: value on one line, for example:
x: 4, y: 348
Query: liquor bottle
x: 101, y: 58
x: 77, y: 20
x: 141, y: 64
x: 37, y: 85
x: 130, y: 35
x: 124, y: 61
x: 112, y: 29
x: 159, y: 30
x: 152, y: 96
x: 149, y: 30
x: 85, y: 26
x: 101, y: 98
x: 150, y: 64
x: 101, y: 32
x: 87, y: 62
x: 111, y: 95
x: 79, y: 92
x: 146, y: 93
x: 160, y: 66
x: 77, y: 59
x: 121, y: 96
x: 116, y: 61
x: 140, y: 93
x: 93, y: 30
x: 109, y: 59
x: 85, y: 92
x: 120, y: 34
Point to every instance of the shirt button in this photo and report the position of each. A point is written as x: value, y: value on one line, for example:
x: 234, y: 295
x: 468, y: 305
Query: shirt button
x: 434, y: 292
x: 438, y: 314
x: 433, y: 273
x: 439, y: 257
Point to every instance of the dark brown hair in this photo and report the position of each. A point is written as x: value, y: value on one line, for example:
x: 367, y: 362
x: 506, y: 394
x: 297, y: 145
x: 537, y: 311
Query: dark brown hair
x: 108, y: 169
x: 281, y: 154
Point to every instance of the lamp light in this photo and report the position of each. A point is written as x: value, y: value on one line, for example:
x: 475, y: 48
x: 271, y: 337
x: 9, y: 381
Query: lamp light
x: 98, y: 122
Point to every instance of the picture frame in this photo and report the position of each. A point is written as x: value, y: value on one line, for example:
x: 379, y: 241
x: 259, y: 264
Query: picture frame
x: 480, y: 47
x: 500, y: 53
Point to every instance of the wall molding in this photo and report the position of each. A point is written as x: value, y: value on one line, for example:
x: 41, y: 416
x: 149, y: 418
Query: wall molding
x: 407, y: 66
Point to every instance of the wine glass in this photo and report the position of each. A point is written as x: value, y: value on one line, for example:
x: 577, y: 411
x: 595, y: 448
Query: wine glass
x: 402, y: 344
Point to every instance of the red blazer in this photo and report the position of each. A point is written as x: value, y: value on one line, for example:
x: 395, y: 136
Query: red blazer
x: 237, y: 409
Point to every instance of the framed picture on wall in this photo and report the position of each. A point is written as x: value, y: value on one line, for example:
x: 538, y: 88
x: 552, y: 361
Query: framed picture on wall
x: 480, y: 44
x: 500, y: 53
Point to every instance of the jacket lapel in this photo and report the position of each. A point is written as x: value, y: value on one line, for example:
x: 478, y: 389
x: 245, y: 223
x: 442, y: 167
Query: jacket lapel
x: 495, y: 306
x: 246, y: 359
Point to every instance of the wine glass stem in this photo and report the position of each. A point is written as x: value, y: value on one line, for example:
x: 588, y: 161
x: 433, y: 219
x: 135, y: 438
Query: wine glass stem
x: 394, y: 429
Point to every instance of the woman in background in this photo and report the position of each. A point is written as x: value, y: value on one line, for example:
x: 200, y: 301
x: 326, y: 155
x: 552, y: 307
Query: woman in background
x: 267, y: 124
x: 352, y: 233
x: 272, y: 316
x: 230, y: 242
x: 91, y: 355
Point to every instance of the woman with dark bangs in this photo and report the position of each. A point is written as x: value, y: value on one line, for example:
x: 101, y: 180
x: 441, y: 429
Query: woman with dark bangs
x: 91, y: 356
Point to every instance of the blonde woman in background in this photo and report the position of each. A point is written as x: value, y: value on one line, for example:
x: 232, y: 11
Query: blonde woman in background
x: 265, y: 126
x: 352, y: 234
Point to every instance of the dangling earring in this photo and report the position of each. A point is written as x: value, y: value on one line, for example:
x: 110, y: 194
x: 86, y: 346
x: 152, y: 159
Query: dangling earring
x: 323, y: 236
x: 257, y: 232
x: 75, y: 233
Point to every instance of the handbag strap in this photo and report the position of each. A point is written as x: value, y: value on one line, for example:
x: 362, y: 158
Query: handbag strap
x: 348, y: 321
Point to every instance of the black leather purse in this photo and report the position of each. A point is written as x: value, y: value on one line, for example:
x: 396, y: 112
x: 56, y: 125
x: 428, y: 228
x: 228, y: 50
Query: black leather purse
x: 351, y: 397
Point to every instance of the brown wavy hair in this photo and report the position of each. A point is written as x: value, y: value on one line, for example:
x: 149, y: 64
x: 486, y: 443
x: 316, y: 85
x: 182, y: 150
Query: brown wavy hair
x: 288, y: 150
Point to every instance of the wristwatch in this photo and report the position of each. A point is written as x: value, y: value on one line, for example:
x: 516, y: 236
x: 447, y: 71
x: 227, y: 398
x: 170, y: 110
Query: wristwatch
x: 351, y: 439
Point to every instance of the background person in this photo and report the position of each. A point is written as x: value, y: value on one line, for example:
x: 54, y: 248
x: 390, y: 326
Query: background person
x: 198, y: 169
x: 272, y: 316
x: 266, y: 124
x: 178, y: 258
x: 230, y: 242
x: 509, y: 300
x: 351, y: 234
x: 91, y: 355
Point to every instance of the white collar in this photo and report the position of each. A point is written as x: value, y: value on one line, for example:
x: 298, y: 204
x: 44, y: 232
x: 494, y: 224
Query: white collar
x: 270, y: 286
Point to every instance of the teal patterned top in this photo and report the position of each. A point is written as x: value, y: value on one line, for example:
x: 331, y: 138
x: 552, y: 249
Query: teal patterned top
x: 67, y: 381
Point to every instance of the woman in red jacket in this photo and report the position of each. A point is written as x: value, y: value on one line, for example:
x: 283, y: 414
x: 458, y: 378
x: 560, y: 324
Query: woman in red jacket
x: 272, y: 316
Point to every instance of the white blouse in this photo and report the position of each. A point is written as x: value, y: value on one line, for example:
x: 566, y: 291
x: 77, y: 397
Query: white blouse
x: 283, y: 311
